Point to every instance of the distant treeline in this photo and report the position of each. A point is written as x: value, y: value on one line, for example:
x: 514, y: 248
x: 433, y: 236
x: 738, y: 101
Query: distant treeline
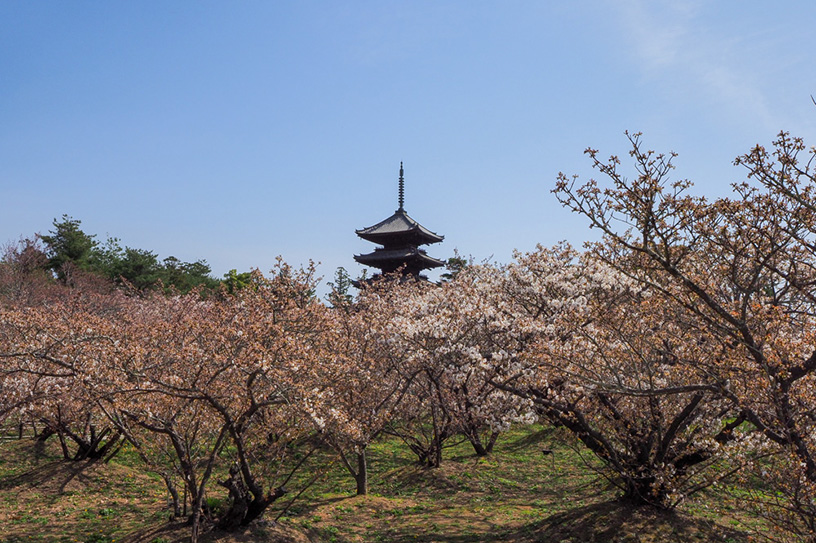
x: 67, y: 252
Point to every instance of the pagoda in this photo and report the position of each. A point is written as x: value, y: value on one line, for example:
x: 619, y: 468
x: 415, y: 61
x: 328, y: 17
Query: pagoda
x: 400, y: 237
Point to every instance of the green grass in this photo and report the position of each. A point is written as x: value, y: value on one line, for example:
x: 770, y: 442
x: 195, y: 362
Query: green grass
x: 45, y: 498
x: 517, y: 494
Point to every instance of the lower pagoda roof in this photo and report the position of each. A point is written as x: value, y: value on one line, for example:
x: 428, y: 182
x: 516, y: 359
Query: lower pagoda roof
x: 392, y: 259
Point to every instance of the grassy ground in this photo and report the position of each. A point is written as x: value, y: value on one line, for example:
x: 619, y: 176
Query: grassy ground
x: 518, y: 494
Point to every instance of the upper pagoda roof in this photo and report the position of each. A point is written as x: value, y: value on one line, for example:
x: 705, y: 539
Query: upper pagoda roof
x: 399, y: 228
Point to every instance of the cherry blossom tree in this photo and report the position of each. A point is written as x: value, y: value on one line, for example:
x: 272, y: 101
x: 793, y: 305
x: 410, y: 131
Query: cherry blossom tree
x: 50, y: 354
x: 360, y: 388
x: 204, y: 374
x: 24, y: 280
x: 610, y: 363
x: 739, y: 269
x: 448, y: 333
x: 195, y: 385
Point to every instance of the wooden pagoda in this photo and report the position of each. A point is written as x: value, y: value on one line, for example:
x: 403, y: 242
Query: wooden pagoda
x: 400, y: 237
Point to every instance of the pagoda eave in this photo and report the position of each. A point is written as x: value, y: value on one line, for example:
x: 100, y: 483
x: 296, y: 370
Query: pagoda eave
x: 409, y: 237
x: 393, y: 259
x: 397, y: 227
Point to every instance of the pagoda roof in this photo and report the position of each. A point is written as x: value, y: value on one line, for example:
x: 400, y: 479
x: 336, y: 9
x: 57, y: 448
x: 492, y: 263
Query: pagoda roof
x: 399, y: 227
x: 393, y: 258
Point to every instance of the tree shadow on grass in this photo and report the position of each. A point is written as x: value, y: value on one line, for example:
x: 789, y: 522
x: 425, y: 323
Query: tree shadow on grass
x: 34, y: 466
x: 178, y: 531
x: 53, y: 476
x: 546, y: 435
x: 617, y: 522
x: 605, y: 522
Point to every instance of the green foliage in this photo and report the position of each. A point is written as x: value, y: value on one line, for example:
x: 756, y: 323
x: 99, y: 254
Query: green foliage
x: 105, y: 259
x: 68, y: 245
x: 138, y: 267
x: 339, y: 296
x: 454, y: 265
x: 185, y: 276
x: 235, y: 281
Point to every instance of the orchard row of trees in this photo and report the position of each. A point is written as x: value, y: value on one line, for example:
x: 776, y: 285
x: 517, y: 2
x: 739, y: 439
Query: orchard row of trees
x: 679, y: 350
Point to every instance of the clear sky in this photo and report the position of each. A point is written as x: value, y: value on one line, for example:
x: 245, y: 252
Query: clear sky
x: 238, y: 131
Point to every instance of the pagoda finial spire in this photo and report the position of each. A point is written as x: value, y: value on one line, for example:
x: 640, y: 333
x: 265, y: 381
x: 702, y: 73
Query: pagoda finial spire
x: 401, y: 189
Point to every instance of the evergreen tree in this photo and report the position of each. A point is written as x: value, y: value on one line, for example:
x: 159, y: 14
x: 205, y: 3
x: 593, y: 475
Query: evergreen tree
x: 67, y: 246
x: 339, y: 296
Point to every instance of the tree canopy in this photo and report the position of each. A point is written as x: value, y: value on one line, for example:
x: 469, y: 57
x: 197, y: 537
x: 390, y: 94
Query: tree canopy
x: 69, y: 249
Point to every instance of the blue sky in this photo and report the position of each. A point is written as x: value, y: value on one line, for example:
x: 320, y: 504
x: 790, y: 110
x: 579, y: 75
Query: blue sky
x: 238, y: 131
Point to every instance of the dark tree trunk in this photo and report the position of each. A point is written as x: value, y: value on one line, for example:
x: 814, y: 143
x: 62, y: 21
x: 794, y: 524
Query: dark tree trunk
x: 492, y: 441
x: 44, y: 435
x: 358, y: 472
x: 239, y: 500
x: 362, y: 474
x: 65, y: 452
x: 259, y: 505
x: 174, y: 495
x: 429, y: 454
x: 479, y: 447
x: 435, y: 457
x: 195, y: 521
x: 93, y: 448
x: 89, y: 443
x: 244, y: 508
x: 641, y: 491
